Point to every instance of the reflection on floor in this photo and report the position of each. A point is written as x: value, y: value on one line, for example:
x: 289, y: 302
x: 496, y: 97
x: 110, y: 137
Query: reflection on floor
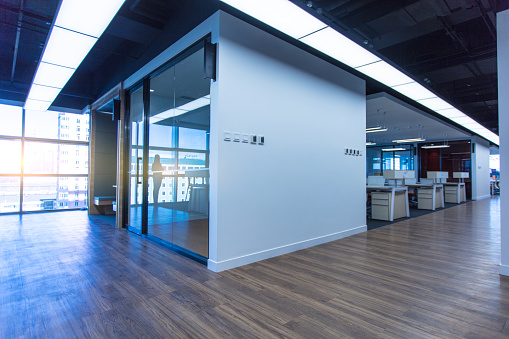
x: 414, y: 212
x: 109, y: 219
x: 189, y: 230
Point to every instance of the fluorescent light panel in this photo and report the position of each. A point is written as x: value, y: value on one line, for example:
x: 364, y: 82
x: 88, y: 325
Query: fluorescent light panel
x: 435, y: 104
x: 394, y: 149
x: 37, y: 105
x: 370, y: 143
x: 373, y: 128
x: 408, y: 140
x: 385, y: 73
x: 90, y: 17
x: 414, y: 91
x: 43, y: 93
x: 67, y: 48
x: 283, y: 15
x: 77, y: 27
x: 436, y: 146
x: 376, y: 130
x: 52, y: 75
x: 339, y: 47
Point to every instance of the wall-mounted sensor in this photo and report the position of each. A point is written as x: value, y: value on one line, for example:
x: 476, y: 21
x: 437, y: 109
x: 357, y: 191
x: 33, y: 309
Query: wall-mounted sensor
x: 245, y: 138
x: 227, y: 136
x: 261, y: 140
x: 253, y: 139
x: 236, y: 137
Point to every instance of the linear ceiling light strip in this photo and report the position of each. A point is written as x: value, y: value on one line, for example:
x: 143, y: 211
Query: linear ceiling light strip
x: 77, y: 27
x: 301, y: 25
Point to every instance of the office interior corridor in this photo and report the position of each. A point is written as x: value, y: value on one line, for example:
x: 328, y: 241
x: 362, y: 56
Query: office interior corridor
x: 68, y: 275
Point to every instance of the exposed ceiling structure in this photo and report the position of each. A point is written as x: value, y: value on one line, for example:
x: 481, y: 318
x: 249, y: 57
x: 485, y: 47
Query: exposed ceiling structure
x: 448, y: 45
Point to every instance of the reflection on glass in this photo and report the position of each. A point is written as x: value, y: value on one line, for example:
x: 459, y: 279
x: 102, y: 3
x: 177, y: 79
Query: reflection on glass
x: 57, y: 125
x: 50, y: 158
x: 10, y: 156
x: 11, y: 120
x: 136, y: 168
x: 9, y: 194
x: 54, y: 193
x: 192, y: 138
x: 179, y: 123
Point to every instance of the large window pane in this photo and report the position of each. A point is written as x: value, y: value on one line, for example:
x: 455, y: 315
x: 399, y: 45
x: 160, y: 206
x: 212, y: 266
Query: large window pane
x: 11, y: 120
x: 57, y: 125
x: 50, y: 158
x: 10, y: 155
x: 54, y: 193
x: 9, y: 194
x: 192, y: 138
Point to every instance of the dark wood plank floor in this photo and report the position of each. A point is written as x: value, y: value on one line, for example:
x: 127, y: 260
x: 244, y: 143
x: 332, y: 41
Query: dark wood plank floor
x: 63, y: 275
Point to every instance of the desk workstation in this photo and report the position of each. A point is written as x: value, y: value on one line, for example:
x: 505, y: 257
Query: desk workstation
x: 387, y: 202
x: 430, y: 196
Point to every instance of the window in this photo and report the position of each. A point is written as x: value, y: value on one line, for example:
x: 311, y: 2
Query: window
x: 76, y: 203
x: 45, y: 157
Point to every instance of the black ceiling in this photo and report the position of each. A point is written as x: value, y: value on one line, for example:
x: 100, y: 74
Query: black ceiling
x: 448, y: 45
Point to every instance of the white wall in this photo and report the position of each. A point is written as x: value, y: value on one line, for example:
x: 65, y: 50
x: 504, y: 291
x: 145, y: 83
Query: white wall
x: 299, y: 189
x: 481, y: 169
x: 503, y: 119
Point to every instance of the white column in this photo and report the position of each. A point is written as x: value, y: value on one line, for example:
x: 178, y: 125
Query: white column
x: 503, y: 113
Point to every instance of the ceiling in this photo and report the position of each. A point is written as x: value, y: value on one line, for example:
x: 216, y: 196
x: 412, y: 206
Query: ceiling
x: 447, y: 45
x: 404, y: 121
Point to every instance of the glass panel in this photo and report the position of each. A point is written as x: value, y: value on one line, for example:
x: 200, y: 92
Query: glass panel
x: 10, y: 153
x: 50, y: 158
x: 192, y: 95
x: 57, y: 125
x: 162, y: 171
x: 54, y: 193
x: 136, y: 168
x: 193, y: 138
x: 11, y: 120
x: 9, y: 194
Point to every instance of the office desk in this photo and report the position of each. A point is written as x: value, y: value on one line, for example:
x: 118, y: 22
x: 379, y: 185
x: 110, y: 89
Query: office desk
x: 429, y: 196
x: 455, y: 192
x: 388, y: 202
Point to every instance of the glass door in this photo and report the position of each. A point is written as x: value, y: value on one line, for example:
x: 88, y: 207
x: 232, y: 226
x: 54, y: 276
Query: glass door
x: 169, y: 123
x: 135, y: 171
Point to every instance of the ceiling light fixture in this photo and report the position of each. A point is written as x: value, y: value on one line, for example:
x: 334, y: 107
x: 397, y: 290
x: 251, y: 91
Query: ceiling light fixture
x: 174, y: 112
x: 436, y: 146
x: 376, y: 130
x: 399, y: 141
x: 370, y: 143
x: 78, y: 26
x: 301, y: 25
x: 394, y: 149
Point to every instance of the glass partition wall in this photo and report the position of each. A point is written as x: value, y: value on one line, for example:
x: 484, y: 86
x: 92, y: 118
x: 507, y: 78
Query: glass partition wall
x: 169, y: 124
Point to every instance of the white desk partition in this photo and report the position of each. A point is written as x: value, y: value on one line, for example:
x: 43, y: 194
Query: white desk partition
x: 375, y: 180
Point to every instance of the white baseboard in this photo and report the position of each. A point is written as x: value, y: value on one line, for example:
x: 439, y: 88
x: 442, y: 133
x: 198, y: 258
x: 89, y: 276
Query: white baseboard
x: 504, y: 270
x: 274, y: 252
x: 482, y: 197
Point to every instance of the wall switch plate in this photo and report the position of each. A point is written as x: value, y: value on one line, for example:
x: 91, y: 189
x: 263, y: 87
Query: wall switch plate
x: 227, y: 136
x: 261, y: 140
x: 245, y: 138
x: 236, y: 137
x: 346, y: 151
x: 253, y: 139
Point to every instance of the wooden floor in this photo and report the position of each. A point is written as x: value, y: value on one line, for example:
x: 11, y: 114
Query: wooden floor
x: 63, y: 275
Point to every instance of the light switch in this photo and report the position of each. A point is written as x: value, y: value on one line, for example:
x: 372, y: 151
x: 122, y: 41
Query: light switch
x: 236, y: 137
x: 245, y: 138
x: 227, y: 136
x: 253, y: 139
x: 261, y: 140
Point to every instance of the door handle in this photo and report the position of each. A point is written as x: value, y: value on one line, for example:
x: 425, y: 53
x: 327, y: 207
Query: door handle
x: 138, y: 170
